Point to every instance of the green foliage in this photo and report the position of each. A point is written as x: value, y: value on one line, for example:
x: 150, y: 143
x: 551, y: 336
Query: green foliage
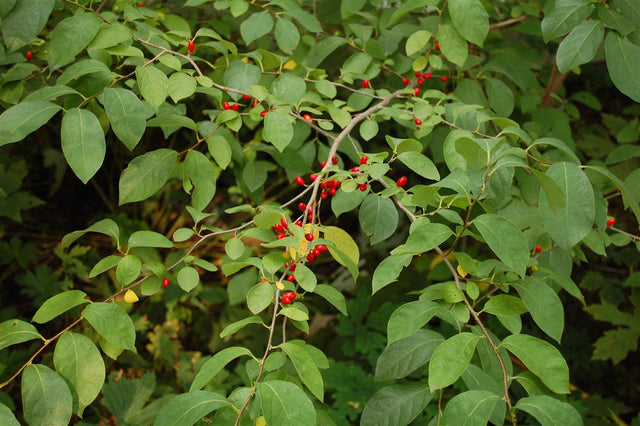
x: 302, y: 213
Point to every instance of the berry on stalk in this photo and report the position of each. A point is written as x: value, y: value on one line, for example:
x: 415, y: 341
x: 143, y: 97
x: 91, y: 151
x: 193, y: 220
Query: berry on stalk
x: 365, y: 83
x: 300, y: 181
x: 611, y: 221
x: 402, y: 181
x: 191, y: 46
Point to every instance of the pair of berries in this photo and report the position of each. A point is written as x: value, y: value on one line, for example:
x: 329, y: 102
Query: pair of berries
x: 288, y: 297
x: 226, y: 106
x: 334, y: 160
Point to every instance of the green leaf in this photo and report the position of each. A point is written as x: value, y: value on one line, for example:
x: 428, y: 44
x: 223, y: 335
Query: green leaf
x: 470, y: 19
x: 240, y: 75
x: 188, y: 408
x: 450, y: 359
x: 149, y: 239
x: 234, y: 248
x: 543, y: 304
x: 80, y: 363
x: 238, y: 325
x: 294, y: 313
x: 423, y: 238
x: 378, y: 218
x: 260, y: 297
x: 397, y: 404
x: 153, y: 84
x: 500, y: 97
x: 112, y: 323
x: 70, y: 37
x: 452, y: 45
x: 505, y: 240
x: 326, y: 89
x: 128, y: 269
x: 202, y: 174
x: 215, y: 364
x: 278, y: 129
x: 220, y: 150
x: 565, y: 15
x: 287, y: 35
x: 288, y: 88
x: 503, y: 304
x: 473, y: 407
x: 26, y: 117
x: 580, y: 45
x: 409, y: 318
x: 575, y: 220
x: 83, y: 142
x: 369, y: 129
x: 549, y: 411
x: 389, y: 270
x: 623, y: 58
x: 615, y: 345
x: 417, y: 41
x: 58, y: 304
x: 146, y: 174
x: 24, y: 22
x: 285, y: 404
x: 105, y: 226
x: 305, y: 278
x: 420, y: 164
x: 256, y: 26
x: 340, y: 116
x: 181, y: 86
x: 344, y: 202
x: 254, y: 175
x: 110, y: 35
x: 188, y: 278
x: 17, y: 331
x: 345, y: 251
x: 6, y: 416
x: 320, y: 52
x: 332, y: 296
x: 46, y: 398
x: 404, y: 356
x: 126, y: 114
x: 305, y: 367
x: 542, y: 359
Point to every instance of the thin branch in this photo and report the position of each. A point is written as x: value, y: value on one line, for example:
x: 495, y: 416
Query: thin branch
x: 508, y: 22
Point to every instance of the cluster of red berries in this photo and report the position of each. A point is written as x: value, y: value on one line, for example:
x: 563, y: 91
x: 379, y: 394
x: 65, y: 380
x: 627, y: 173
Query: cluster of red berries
x: 235, y: 107
x: 288, y: 297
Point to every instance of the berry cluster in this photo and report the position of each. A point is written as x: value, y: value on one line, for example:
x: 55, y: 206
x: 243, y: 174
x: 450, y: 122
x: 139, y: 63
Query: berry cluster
x: 288, y: 297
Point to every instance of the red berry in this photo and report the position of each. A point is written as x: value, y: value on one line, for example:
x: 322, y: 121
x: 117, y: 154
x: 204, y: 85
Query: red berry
x: 332, y: 191
x: 321, y: 247
x: 402, y: 181
x: 278, y: 227
x: 29, y: 55
x: 437, y: 46
x: 538, y: 249
x: 323, y: 163
x: 334, y: 159
x: 280, y: 236
x: 416, y: 91
x: 311, y: 257
x: 417, y: 73
x: 417, y: 121
x: 302, y: 207
x: 285, y: 300
x: 300, y: 181
x: 443, y: 78
x: 225, y: 105
x: 355, y: 169
x: 299, y: 222
x: 291, y: 278
x: 405, y: 80
x: 140, y: 4
x: 313, y: 177
x: 255, y: 102
x: 293, y: 267
x: 246, y: 97
x: 420, y: 81
x: 308, y: 237
x: 364, y: 159
x: 362, y: 187
x: 234, y: 107
x: 611, y: 221
x: 165, y: 282
x: 324, y: 195
x: 263, y: 113
x: 365, y: 83
x: 427, y: 75
x: 317, y: 252
x: 191, y: 46
x: 307, y: 117
x: 283, y: 222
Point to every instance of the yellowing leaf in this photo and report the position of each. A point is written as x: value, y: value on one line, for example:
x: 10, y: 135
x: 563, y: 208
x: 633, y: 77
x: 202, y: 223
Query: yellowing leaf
x: 289, y: 65
x: 130, y: 296
x: 303, y: 244
x: 461, y: 271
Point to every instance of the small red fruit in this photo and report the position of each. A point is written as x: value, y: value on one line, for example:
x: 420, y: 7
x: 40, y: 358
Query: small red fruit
x: 165, y: 282
x: 300, y: 181
x: 308, y: 118
x: 234, y: 107
x: 443, y: 78
x: 255, y: 102
x: 355, y: 169
x: 427, y: 75
x: 417, y: 121
x: 283, y: 222
x: 280, y: 236
x: 538, y: 249
x: 29, y: 55
x: 365, y: 83
x: 437, y: 46
x: 405, y: 80
x: 416, y: 91
x: 402, y: 181
x: 191, y: 46
x: 323, y: 163
x: 285, y: 300
x: 225, y: 105
x: 417, y: 73
x: 316, y: 251
x: 324, y: 195
x: 246, y: 97
x: 299, y: 222
x: 611, y: 221
x: 332, y: 191
x: 420, y: 81
x: 302, y: 207
x: 364, y: 159
x: 308, y: 237
x: 311, y: 257
x: 321, y: 247
x: 288, y: 297
x: 291, y: 278
x: 362, y: 187
x: 279, y: 228
x: 263, y: 113
x: 313, y: 177
x: 140, y: 4
x: 334, y: 159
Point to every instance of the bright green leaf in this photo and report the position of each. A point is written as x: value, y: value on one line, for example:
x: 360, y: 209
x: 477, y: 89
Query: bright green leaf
x: 470, y: 19
x: 17, y: 331
x: 58, y: 304
x: 404, y: 356
x: 112, y: 323
x: 215, y: 364
x: 505, y: 240
x: 188, y: 408
x: 260, y: 297
x: 450, y: 359
x: 550, y: 411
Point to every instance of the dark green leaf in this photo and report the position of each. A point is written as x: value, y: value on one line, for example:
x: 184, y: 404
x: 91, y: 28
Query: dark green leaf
x: 396, y: 405
x: 126, y: 114
x: 404, y: 356
x: 70, y: 37
x: 83, y: 142
x: 543, y: 304
x: 59, y: 304
x: 112, y: 323
x: 378, y: 218
x: 25, y: 21
x: 623, y: 58
x: 473, y: 407
x: 409, y: 318
x: 285, y: 404
x: 256, y: 26
x: 46, y: 398
x: 549, y: 411
x: 146, y: 174
x: 215, y: 364
x: 450, y: 359
x: 24, y: 118
x: 188, y: 408
x: 306, y: 368
x: 580, y: 45
x: 505, y: 240
x: 470, y: 19
x: 388, y: 270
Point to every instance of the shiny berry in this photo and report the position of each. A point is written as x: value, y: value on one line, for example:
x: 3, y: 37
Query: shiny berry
x: 299, y: 222
x: 427, y: 75
x: 611, y: 221
x: 417, y: 121
x: 364, y: 159
x: 234, y: 107
x: 246, y: 97
x: 165, y: 282
x: 311, y: 257
x: 334, y: 159
x: 402, y: 181
x: 324, y: 195
x: 285, y: 300
x: 280, y: 236
x: 278, y: 227
x: 443, y: 78
x: 302, y: 206
x: 191, y: 46
x: 321, y: 247
x: 291, y: 278
x: 437, y: 46
x: 538, y: 249
x: 417, y: 73
x: 255, y: 102
x: 323, y: 163
x: 283, y: 222
x: 313, y: 177
x: 355, y: 169
x: 29, y: 55
x: 263, y: 113
x: 420, y: 81
x: 307, y: 117
x: 316, y: 251
x: 308, y: 237
x: 300, y: 181
x: 225, y: 105
x: 332, y: 191
x: 416, y: 91
x: 362, y: 187
x: 365, y: 83
x: 405, y: 80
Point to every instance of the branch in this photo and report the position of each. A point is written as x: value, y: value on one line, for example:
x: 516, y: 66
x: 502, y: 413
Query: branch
x: 508, y: 22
